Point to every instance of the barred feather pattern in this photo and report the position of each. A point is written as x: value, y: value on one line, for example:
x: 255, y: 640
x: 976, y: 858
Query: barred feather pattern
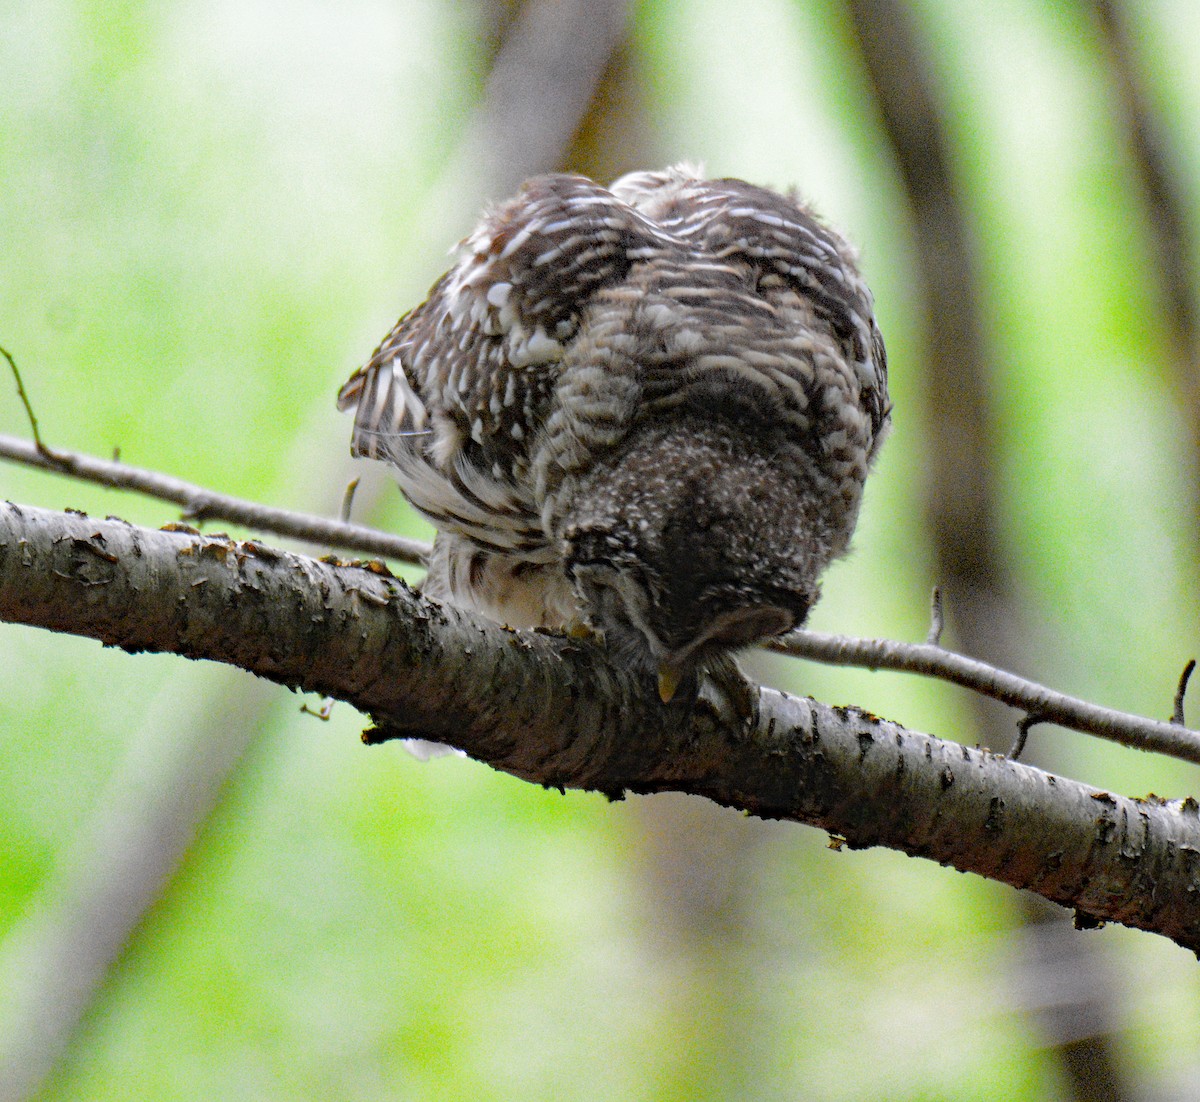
x: 678, y: 338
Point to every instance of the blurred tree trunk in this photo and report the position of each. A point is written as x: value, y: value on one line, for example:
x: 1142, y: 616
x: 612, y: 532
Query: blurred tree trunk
x: 961, y: 504
x: 1163, y: 197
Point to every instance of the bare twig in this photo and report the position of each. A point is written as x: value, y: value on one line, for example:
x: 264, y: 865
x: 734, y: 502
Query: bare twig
x: 1018, y: 692
x: 43, y: 450
x: 1177, y: 714
x: 201, y: 504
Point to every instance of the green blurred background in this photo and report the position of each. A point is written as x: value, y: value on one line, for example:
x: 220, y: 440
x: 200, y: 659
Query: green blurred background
x: 210, y: 212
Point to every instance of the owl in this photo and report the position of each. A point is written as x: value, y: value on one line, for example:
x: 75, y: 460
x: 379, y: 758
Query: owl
x: 645, y: 411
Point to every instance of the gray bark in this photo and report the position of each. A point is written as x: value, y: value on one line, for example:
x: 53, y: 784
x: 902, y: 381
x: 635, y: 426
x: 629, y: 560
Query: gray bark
x: 554, y: 711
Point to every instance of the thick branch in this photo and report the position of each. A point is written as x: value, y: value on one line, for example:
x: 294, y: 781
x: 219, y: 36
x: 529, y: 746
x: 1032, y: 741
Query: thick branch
x: 1041, y: 705
x: 552, y: 710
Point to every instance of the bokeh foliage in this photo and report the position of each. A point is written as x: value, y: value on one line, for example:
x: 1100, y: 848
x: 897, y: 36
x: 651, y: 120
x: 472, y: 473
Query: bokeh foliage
x: 210, y: 213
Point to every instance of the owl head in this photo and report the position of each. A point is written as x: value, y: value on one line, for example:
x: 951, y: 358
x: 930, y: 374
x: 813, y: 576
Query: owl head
x: 693, y: 542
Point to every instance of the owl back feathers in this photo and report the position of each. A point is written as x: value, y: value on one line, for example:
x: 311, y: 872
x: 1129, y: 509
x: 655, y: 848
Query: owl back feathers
x: 576, y: 313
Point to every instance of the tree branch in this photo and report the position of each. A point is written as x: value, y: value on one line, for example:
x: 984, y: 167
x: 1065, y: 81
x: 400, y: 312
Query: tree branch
x: 554, y: 711
x: 1040, y: 704
x: 928, y: 659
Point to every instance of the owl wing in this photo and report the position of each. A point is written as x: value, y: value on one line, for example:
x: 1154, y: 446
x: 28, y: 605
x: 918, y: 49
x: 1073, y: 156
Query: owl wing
x: 454, y: 394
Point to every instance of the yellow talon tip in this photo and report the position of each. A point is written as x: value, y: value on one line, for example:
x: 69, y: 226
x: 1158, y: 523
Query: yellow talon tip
x: 668, y: 683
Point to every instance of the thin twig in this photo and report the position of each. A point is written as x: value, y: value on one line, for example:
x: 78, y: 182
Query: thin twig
x: 199, y: 503
x: 42, y: 448
x: 1177, y: 715
x: 1018, y: 692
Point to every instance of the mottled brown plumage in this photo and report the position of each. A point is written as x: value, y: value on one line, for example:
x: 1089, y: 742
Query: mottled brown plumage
x: 649, y: 409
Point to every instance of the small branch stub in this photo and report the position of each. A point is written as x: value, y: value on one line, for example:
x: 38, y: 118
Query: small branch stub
x: 1023, y: 725
x: 348, y: 500
x: 1177, y: 715
x: 936, y: 620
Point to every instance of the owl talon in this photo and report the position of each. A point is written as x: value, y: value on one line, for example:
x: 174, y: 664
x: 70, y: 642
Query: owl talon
x: 668, y: 683
x: 731, y: 693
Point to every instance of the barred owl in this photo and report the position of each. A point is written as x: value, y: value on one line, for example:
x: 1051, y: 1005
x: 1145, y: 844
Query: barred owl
x: 645, y: 410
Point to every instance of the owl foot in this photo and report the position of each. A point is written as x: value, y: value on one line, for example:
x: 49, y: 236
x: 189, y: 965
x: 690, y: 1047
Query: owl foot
x: 732, y: 695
